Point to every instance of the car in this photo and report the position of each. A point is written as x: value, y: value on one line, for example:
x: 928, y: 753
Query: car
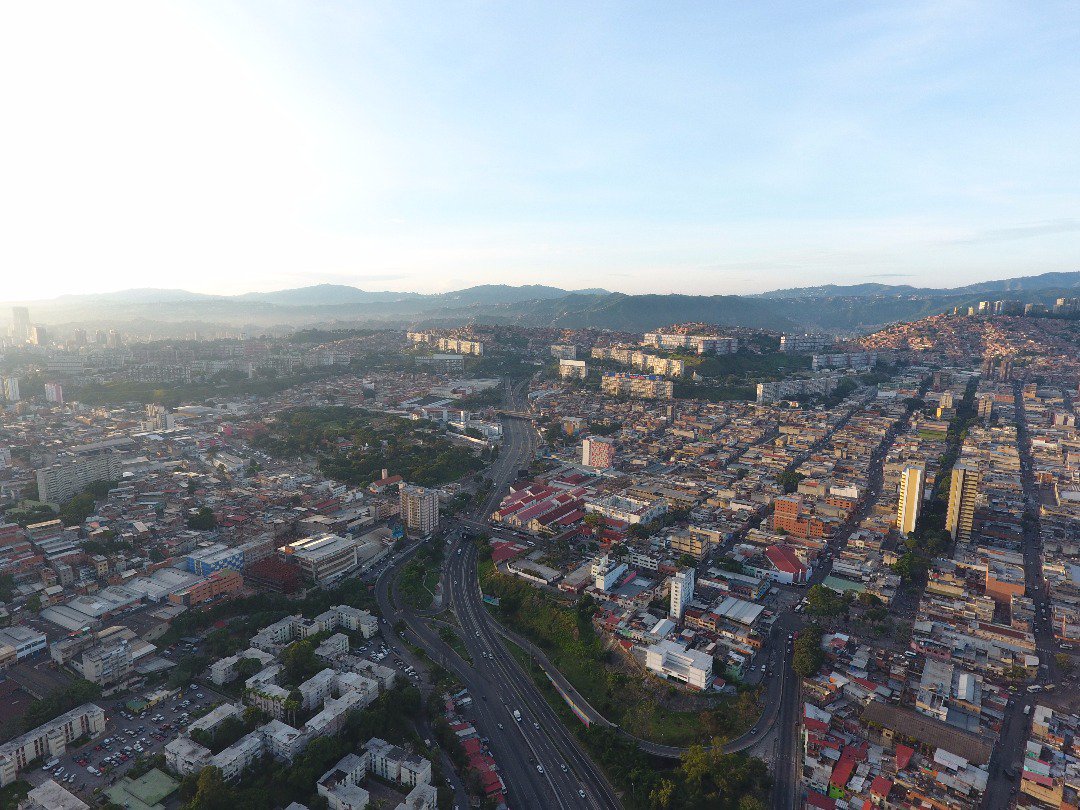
x: 581, y: 793
x: 536, y: 726
x: 539, y: 768
x: 500, y: 725
x: 563, y: 766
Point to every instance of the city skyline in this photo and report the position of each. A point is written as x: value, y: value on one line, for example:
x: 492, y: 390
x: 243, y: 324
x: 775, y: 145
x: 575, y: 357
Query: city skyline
x: 702, y: 150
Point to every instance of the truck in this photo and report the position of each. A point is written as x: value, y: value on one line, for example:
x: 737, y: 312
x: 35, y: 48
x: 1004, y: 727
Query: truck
x: 517, y: 715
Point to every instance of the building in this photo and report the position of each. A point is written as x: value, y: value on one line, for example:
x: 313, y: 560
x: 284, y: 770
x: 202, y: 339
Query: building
x: 54, y: 392
x: 208, y: 559
x: 397, y: 765
x: 49, y: 795
x: 11, y: 389
x: 322, y: 558
x: 804, y: 343
x: 695, y: 542
x: 637, y: 386
x: 572, y: 370
x: 443, y: 363
x: 606, y: 572
x: 419, y: 509
x: 676, y: 662
x: 39, y: 335
x: 682, y: 592
x: 699, y: 344
x: 20, y: 324
x: 23, y: 639
x: 963, y: 495
x: 219, y: 585
x: 108, y: 665
x: 564, y: 351
x: 912, y: 486
x: 49, y: 740
x: 598, y: 451
x: 60, y: 482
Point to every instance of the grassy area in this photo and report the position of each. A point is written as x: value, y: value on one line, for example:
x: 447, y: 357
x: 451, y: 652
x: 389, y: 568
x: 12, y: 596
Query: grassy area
x: 451, y: 637
x: 420, y: 576
x: 11, y: 795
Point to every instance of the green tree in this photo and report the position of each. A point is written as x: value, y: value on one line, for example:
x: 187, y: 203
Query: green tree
x: 203, y: 520
x: 661, y: 796
x: 808, y: 656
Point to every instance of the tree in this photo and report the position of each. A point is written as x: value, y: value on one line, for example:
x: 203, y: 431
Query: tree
x: 156, y: 555
x: 593, y: 520
x: 33, y: 603
x: 696, y: 765
x: 1064, y: 662
x: 789, y: 480
x: 822, y: 601
x: 246, y: 667
x: 203, y: 520
x: 7, y: 587
x: 212, y: 792
x: 661, y: 796
x: 808, y: 656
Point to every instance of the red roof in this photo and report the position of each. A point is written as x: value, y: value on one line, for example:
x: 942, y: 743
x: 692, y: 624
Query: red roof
x: 842, y: 771
x: 903, y: 756
x: 815, y: 799
x: 880, y: 786
x: 784, y: 559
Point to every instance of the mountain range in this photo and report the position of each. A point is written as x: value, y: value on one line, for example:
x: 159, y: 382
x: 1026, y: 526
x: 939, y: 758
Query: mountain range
x: 855, y: 308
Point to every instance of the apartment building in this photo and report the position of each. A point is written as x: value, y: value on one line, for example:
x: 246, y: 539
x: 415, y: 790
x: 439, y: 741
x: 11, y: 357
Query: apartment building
x: 70, y: 475
x: 636, y: 386
x: 419, y: 509
x: 682, y: 593
x: 49, y: 740
x: 397, y: 765
x: 963, y: 498
x: 598, y: 451
x: 572, y: 370
x: 564, y: 351
x: 912, y: 488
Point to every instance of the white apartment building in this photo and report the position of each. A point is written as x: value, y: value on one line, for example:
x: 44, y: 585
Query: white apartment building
x: 49, y: 739
x: 572, y: 370
x: 682, y: 592
x: 606, y: 571
x: 397, y: 765
x: 322, y: 558
x: 70, y: 475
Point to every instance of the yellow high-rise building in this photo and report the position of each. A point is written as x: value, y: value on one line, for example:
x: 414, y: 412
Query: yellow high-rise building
x: 912, y: 486
x: 963, y: 494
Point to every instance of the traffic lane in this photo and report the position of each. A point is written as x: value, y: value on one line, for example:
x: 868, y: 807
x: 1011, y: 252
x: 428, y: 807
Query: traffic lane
x: 566, y: 750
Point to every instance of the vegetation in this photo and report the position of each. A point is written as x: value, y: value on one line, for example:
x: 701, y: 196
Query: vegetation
x: 223, y: 385
x: 353, y: 446
x: 822, y: 601
x: 83, y: 505
x: 420, y: 576
x: 76, y: 694
x: 567, y: 637
x: 390, y: 717
x: 202, y: 520
x: 11, y: 796
x: 808, y: 655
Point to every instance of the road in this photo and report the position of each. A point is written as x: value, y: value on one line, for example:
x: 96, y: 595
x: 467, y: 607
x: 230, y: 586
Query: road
x: 1015, y: 723
x: 531, y: 757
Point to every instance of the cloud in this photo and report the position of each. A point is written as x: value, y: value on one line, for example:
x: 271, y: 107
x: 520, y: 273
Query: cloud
x: 1012, y: 233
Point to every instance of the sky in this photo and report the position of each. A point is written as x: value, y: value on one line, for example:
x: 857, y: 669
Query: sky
x: 710, y: 147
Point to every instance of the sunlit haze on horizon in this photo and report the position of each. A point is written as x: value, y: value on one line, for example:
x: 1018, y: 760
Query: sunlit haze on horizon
x: 225, y: 147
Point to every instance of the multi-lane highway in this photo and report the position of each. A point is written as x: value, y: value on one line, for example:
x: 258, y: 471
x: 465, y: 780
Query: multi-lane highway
x: 541, y: 763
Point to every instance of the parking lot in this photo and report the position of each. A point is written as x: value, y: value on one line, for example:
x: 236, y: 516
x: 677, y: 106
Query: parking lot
x: 127, y: 737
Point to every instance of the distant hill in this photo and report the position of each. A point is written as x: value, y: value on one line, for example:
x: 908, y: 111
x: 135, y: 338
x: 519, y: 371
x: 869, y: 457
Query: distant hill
x: 1044, y: 281
x: 854, y: 308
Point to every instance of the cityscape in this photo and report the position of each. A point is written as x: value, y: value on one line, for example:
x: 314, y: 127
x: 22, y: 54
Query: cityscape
x: 504, y: 566
x: 492, y: 405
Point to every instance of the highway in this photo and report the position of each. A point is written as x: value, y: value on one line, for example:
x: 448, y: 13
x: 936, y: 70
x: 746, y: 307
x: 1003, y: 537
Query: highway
x: 541, y: 763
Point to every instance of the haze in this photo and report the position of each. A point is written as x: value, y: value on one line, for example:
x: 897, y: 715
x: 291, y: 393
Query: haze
x: 692, y: 147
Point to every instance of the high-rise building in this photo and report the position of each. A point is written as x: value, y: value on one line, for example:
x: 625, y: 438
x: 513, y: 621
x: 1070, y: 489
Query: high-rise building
x: 963, y: 494
x: 60, y: 482
x: 986, y: 406
x: 39, y: 335
x: 597, y: 451
x: 11, y: 389
x: 572, y: 370
x: 682, y: 592
x: 419, y: 509
x: 20, y: 329
x: 54, y: 392
x: 912, y: 486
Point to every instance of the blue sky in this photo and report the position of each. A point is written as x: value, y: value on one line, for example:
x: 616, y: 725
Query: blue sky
x: 685, y: 147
